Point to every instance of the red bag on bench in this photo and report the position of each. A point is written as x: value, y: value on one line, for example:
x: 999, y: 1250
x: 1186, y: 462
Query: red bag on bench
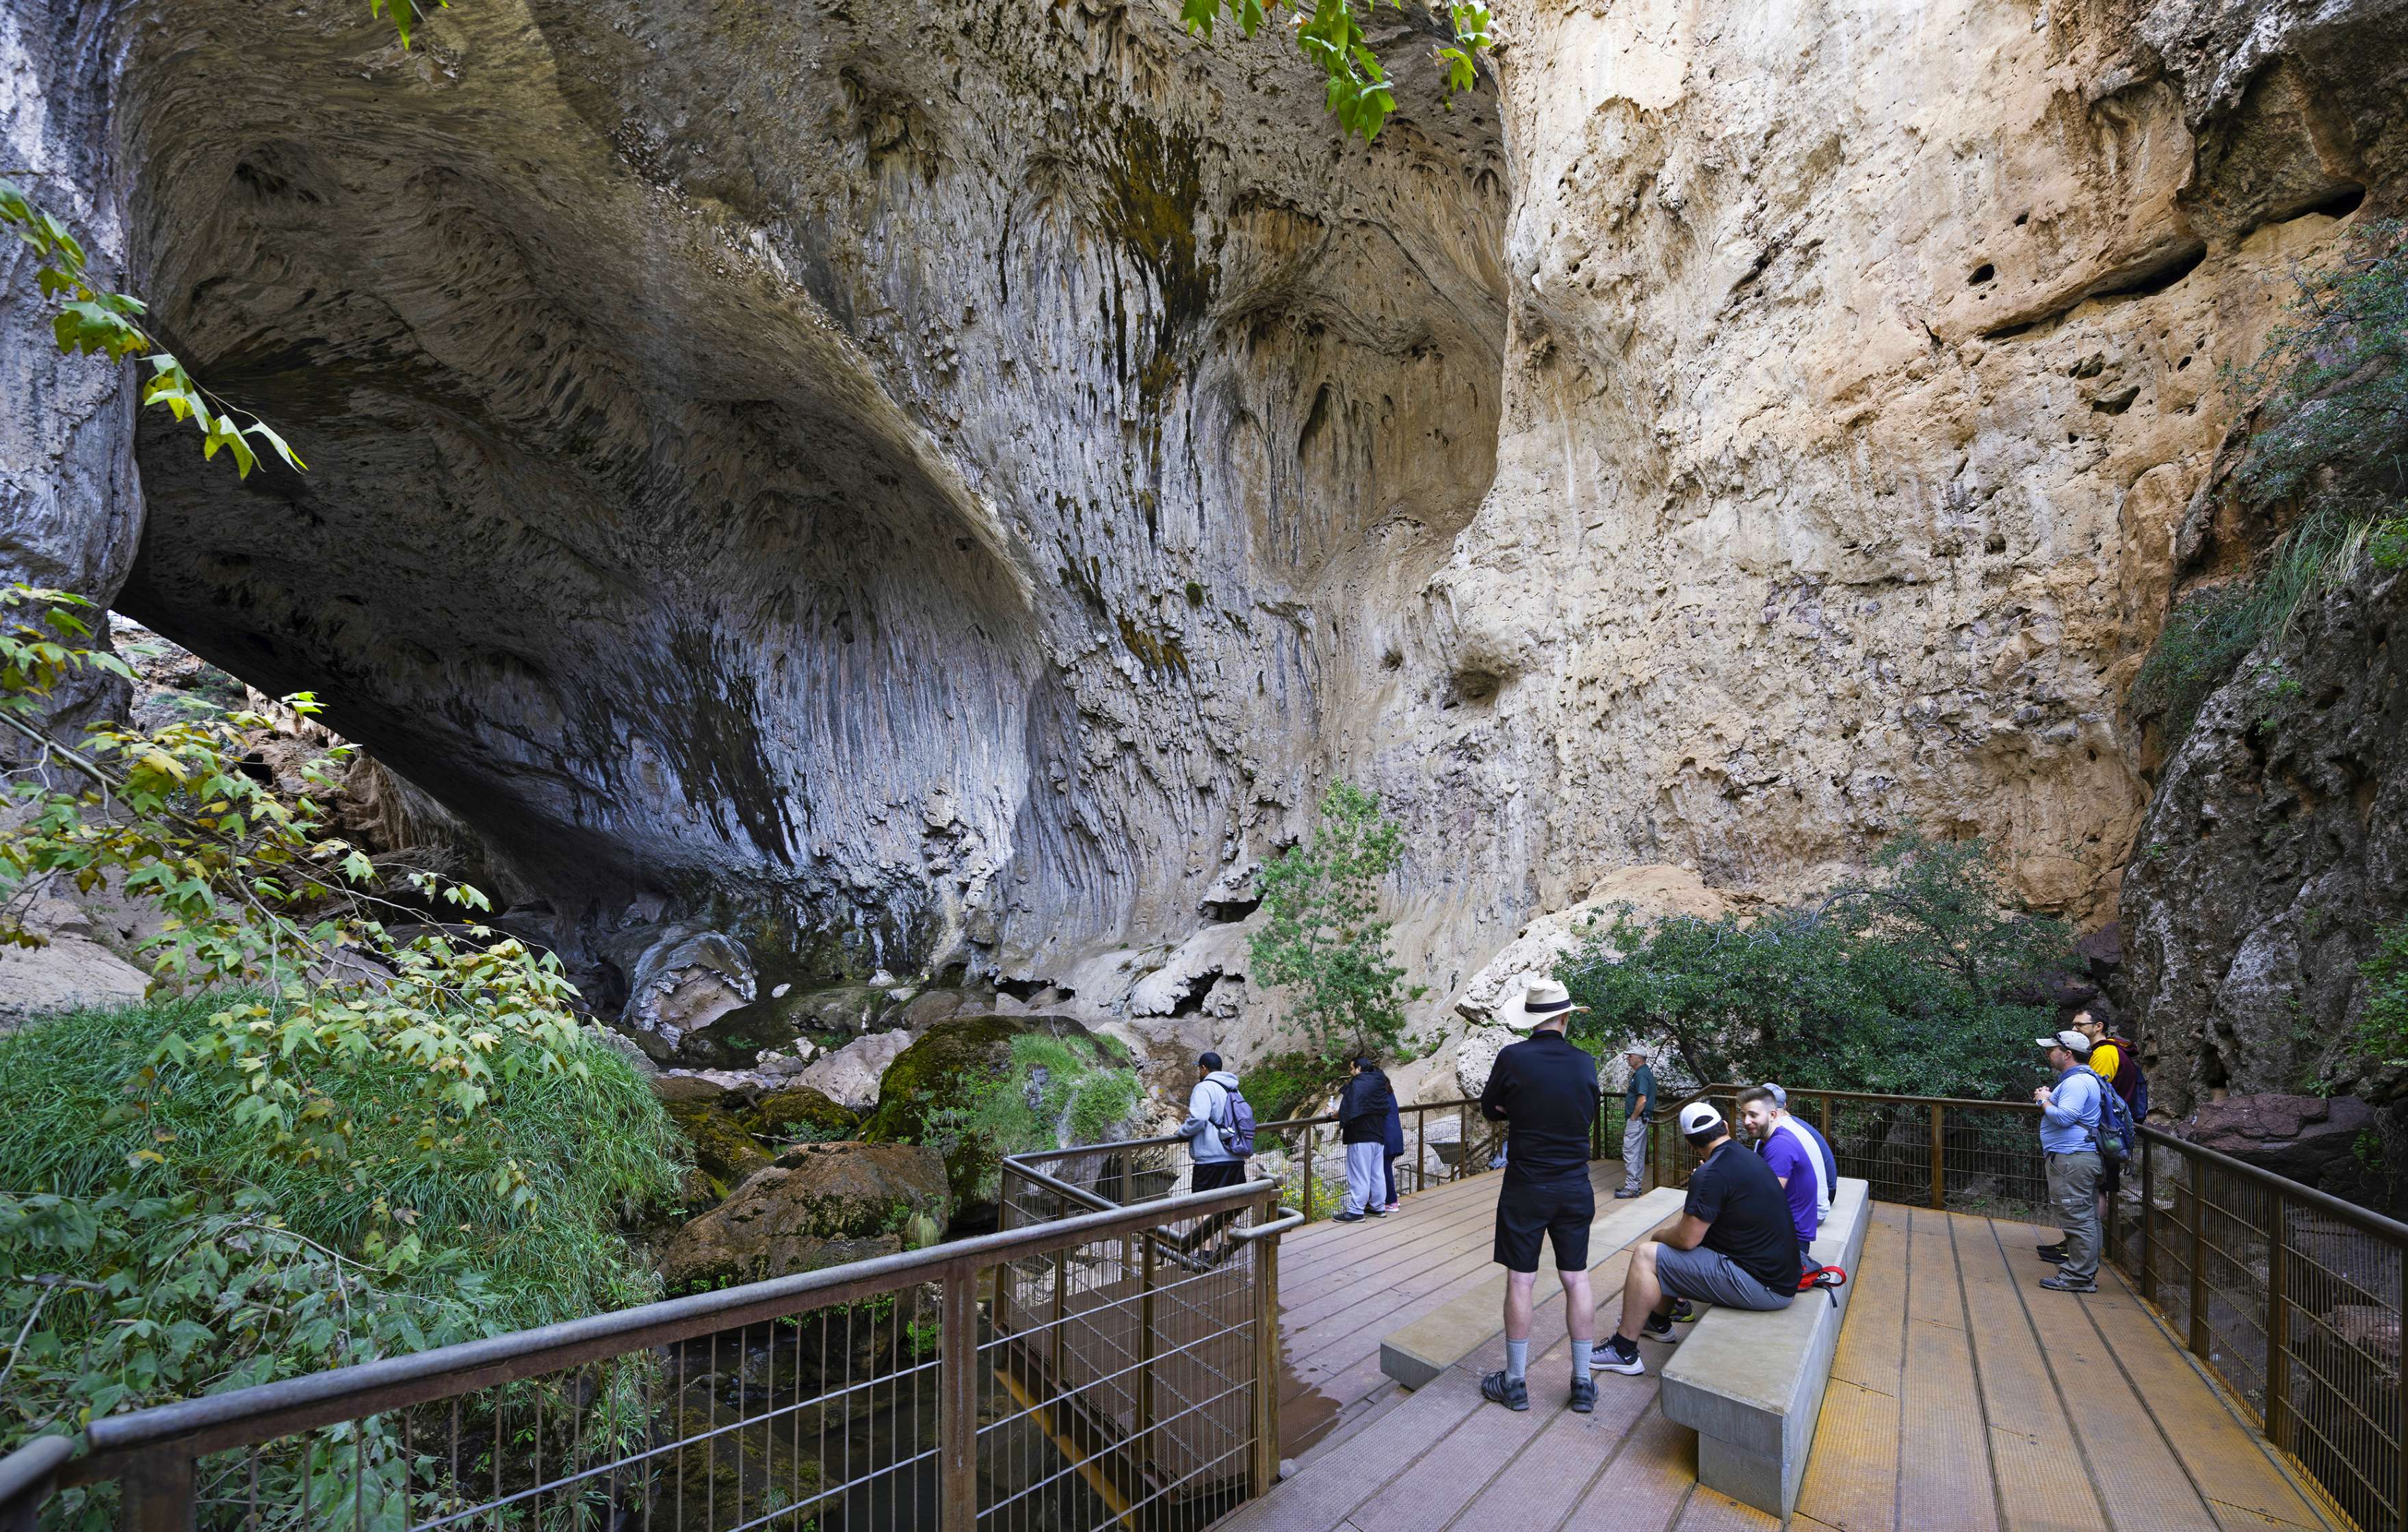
x: 1821, y: 1276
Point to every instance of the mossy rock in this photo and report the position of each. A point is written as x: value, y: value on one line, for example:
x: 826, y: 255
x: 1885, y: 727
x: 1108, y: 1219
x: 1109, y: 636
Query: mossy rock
x: 723, y: 1147
x: 931, y: 1076
x: 800, y: 1112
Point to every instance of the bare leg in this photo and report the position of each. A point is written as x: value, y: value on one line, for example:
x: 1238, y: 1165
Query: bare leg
x: 1579, y: 1308
x: 1641, y: 1294
x: 1519, y: 1303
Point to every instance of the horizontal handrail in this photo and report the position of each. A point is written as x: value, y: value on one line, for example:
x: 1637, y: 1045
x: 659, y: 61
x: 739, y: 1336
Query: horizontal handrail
x: 2389, y: 1229
x: 248, y: 1416
x: 1288, y: 1219
x: 1043, y: 1157
x: 27, y: 1472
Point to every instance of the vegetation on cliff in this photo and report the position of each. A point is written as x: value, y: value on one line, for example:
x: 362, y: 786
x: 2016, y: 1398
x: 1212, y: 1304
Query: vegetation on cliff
x: 981, y: 1087
x: 2329, y: 404
x: 1325, y: 942
x: 1922, y: 978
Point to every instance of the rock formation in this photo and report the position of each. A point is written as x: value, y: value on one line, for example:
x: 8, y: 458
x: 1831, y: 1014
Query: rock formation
x: 938, y: 491
x: 817, y: 1205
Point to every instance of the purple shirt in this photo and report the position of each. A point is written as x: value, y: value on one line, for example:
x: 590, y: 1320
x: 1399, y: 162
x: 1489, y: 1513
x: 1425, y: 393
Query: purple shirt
x: 1787, y: 1158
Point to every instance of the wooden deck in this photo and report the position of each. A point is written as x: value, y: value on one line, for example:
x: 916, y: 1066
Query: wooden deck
x: 1965, y: 1398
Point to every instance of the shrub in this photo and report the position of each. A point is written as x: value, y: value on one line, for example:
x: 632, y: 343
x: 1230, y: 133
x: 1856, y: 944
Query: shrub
x: 1913, y: 980
x: 2383, y: 1030
x: 1050, y: 1092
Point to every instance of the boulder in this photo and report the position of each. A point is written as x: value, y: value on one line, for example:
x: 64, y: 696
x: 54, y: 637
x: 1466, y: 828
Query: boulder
x: 818, y: 1205
x: 800, y: 1112
x: 722, y: 1148
x: 682, y: 981
x: 68, y: 971
x: 851, y: 1076
x: 937, y: 1073
x: 2312, y: 1139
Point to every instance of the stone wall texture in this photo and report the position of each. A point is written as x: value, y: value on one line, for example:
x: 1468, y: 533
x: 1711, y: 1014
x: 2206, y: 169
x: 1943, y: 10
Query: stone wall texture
x: 946, y: 485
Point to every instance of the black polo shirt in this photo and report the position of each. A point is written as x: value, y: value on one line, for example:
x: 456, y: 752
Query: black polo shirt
x: 1747, y: 1215
x: 1544, y: 1089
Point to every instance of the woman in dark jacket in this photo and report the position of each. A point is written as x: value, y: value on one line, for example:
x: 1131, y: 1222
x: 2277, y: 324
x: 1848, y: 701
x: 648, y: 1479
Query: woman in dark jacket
x: 1396, y: 1147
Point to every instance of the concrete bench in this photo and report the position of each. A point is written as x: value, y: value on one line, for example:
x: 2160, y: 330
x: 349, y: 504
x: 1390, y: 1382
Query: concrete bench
x: 1418, y: 1353
x: 1750, y: 1385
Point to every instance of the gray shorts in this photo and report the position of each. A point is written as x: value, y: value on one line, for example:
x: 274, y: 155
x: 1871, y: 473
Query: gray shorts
x: 1709, y: 1276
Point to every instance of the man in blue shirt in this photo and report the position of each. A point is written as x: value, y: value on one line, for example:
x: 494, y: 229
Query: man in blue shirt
x: 2069, y: 1127
x: 1637, y: 1102
x: 1793, y: 1151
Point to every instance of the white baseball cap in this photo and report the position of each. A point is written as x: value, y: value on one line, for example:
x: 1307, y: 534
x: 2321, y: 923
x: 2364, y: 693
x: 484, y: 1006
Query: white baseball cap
x: 1696, y: 1117
x: 2072, y: 1041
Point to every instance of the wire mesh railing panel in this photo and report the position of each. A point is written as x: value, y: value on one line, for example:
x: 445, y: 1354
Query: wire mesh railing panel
x: 1127, y: 1366
x: 821, y: 1419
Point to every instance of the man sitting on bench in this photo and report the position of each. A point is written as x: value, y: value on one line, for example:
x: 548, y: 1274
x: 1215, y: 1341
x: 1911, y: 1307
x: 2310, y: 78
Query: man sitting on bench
x: 1733, y: 1244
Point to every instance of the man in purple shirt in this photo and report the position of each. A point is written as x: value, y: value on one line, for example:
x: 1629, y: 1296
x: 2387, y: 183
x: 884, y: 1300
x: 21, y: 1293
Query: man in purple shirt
x: 1792, y: 1156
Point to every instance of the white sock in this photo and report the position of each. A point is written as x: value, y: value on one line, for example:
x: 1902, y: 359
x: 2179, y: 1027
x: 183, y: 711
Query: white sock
x: 1581, y: 1350
x: 1517, y: 1360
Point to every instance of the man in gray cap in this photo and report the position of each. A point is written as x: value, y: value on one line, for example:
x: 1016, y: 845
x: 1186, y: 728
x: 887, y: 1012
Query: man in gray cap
x: 1637, y: 1102
x: 2069, y: 1125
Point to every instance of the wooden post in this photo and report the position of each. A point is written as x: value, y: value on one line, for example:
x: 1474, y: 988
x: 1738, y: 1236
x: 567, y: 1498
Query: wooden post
x: 2197, y: 1262
x: 958, y: 1410
x: 1004, y: 1270
x: 1265, y: 1455
x: 1827, y: 1122
x: 2278, y: 1360
x: 1939, y: 1156
x: 1145, y: 1354
x: 156, y: 1493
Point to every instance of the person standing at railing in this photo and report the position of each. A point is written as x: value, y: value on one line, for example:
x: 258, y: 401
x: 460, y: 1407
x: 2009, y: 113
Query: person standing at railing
x: 1211, y: 1127
x: 1544, y: 1091
x: 1362, y: 1110
x: 1638, y: 1100
x: 2069, y: 1127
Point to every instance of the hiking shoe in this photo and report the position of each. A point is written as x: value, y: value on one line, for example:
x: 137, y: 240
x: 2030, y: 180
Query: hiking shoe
x: 1584, y: 1396
x: 1658, y: 1329
x: 1392, y: 1206
x: 1625, y: 1193
x: 1376, y: 1212
x: 1614, y: 1358
x: 1346, y: 1218
x: 1512, y: 1392
x: 2055, y: 1257
x: 2064, y: 1283
x: 1681, y: 1314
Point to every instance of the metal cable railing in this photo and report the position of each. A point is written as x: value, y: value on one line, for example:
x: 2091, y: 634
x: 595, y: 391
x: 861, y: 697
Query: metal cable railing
x: 2291, y: 1298
x: 1054, y: 1376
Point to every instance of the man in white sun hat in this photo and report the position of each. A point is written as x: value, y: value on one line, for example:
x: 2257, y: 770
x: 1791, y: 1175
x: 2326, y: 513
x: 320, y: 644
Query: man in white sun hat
x: 1544, y: 1090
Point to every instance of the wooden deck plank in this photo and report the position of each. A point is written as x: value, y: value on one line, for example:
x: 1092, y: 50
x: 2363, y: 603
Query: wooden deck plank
x: 1851, y: 1475
x: 1642, y: 1488
x: 1708, y: 1512
x: 1338, y: 1483
x: 2227, y: 1459
x: 2133, y: 1471
x: 2042, y: 1479
x: 1873, y: 1342
x: 1943, y: 1453
x: 1427, y: 1496
x: 1539, y: 1488
x: 1431, y: 1215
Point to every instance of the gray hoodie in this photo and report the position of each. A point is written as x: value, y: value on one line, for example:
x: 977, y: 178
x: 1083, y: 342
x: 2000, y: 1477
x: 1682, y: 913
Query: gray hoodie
x: 1208, y: 1105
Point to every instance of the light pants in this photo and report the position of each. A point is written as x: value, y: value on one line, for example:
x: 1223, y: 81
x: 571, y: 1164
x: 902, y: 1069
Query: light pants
x: 2074, y: 1191
x: 1367, y: 1170
x: 1634, y: 1150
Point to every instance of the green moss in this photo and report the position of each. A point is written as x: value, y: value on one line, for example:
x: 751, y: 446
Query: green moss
x: 980, y: 1087
x: 801, y: 1113
x: 724, y: 1149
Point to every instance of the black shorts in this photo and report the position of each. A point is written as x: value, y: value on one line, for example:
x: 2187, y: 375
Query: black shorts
x: 1213, y: 1175
x: 1560, y: 1210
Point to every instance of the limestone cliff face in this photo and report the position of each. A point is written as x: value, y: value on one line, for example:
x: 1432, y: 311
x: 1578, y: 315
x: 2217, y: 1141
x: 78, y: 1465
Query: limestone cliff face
x: 1862, y: 362
x: 949, y: 484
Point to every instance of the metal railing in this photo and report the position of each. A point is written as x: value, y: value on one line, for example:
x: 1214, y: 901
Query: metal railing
x: 2292, y: 1298
x: 1301, y: 1151
x: 1052, y: 1375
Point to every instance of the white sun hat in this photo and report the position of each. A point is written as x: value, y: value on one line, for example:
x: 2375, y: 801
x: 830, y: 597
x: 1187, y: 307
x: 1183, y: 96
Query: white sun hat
x: 1541, y: 1000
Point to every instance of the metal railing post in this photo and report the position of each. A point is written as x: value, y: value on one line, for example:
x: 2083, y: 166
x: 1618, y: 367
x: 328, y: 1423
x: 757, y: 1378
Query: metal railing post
x: 2278, y: 1363
x: 1308, y: 1173
x: 1826, y: 1122
x: 1145, y: 1356
x: 2148, y: 1226
x: 27, y: 1478
x: 1939, y: 1155
x: 157, y: 1493
x: 1462, y: 1141
x: 958, y: 1408
x: 2199, y: 1343
x: 2400, y: 1386
x: 1265, y: 1459
x: 1061, y: 1315
x: 1421, y: 1148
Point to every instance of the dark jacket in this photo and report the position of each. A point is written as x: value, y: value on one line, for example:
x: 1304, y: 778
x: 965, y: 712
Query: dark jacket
x: 1396, y: 1129
x: 1544, y: 1090
x: 1363, y: 1109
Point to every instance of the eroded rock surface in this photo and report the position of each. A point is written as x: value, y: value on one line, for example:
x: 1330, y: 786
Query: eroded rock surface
x: 818, y: 1205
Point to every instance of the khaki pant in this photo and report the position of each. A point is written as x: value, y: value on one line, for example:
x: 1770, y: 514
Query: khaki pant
x: 2073, y: 1192
x: 1634, y: 1150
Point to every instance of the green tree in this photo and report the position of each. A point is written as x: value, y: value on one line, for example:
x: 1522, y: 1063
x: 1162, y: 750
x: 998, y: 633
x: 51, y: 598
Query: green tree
x: 1324, y: 941
x: 1918, y: 978
x: 2384, y: 1032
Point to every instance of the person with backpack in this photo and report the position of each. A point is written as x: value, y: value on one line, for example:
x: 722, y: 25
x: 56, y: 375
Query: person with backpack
x: 1362, y: 1110
x: 1219, y: 1127
x: 2114, y: 1062
x: 2076, y: 1127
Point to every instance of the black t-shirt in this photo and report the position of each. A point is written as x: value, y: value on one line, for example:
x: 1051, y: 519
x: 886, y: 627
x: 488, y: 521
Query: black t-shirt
x: 1747, y: 1215
x: 1544, y: 1089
